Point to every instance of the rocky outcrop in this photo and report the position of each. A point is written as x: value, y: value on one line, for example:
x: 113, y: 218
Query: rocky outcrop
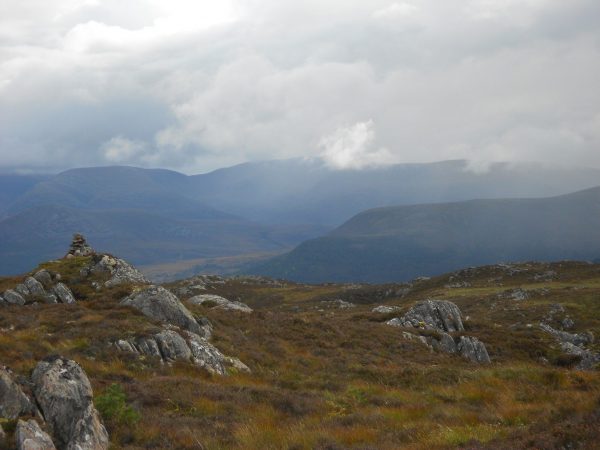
x: 121, y: 272
x: 64, y: 395
x: 218, y: 302
x: 575, y: 344
x: 44, y: 277
x: 63, y: 293
x: 432, y: 314
x: 79, y: 247
x: 30, y: 436
x: 13, y: 298
x: 441, y: 317
x: 13, y: 402
x: 173, y: 344
x: 39, y: 287
x: 159, y: 304
x: 338, y: 303
x: 385, y: 309
x: 473, y: 349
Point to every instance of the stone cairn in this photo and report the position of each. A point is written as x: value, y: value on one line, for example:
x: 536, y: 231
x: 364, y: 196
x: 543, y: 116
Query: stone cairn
x: 79, y: 247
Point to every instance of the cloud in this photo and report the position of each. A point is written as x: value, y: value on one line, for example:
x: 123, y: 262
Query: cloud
x: 120, y: 149
x: 195, y: 85
x: 354, y: 147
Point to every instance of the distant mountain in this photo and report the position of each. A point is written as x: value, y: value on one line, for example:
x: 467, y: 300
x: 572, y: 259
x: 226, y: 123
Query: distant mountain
x: 307, y: 191
x: 241, y: 212
x: 14, y: 185
x: 400, y: 243
x: 144, y: 237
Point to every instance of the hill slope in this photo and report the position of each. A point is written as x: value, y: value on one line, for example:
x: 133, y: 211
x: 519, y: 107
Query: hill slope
x: 399, y: 243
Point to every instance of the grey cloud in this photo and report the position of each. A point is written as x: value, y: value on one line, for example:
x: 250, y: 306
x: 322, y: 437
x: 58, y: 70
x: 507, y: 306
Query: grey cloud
x: 86, y: 83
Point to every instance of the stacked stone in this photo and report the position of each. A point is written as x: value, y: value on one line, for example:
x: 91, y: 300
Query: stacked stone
x: 79, y: 247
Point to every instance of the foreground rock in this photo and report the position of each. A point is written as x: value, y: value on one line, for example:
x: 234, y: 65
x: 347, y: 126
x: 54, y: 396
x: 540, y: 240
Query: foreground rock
x: 218, y: 302
x: 433, y: 315
x: 30, y: 436
x: 159, y: 304
x: 13, y: 402
x: 173, y: 344
x: 65, y: 396
x: 385, y: 309
x: 43, y: 286
x: 442, y: 317
x: 575, y: 344
x: 119, y: 270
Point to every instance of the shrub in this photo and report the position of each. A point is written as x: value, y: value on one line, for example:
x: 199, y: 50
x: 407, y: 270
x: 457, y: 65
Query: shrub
x: 113, y: 407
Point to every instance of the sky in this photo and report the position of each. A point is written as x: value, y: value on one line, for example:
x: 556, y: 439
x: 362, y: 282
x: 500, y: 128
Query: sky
x: 198, y: 85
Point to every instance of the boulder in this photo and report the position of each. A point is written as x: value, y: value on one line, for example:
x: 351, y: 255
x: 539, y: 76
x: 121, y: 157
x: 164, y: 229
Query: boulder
x: 13, y: 297
x: 30, y: 436
x: 34, y: 286
x: 578, y: 339
x: 44, y: 277
x: 588, y: 359
x: 65, y: 397
x: 159, y: 304
x: 473, y: 349
x: 13, y: 402
x: 63, y: 293
x: 172, y: 346
x: 148, y: 346
x: 219, y: 302
x: 433, y: 314
x: 22, y: 290
x: 179, y: 345
x: 120, y: 271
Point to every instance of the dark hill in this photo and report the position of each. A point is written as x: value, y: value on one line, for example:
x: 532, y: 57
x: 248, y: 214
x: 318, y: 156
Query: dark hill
x: 399, y: 243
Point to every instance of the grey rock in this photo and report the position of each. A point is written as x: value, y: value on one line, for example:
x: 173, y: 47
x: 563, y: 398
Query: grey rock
x: 578, y: 339
x: 473, y: 349
x: 34, y: 286
x: 120, y: 271
x: 30, y: 436
x: 385, y: 309
x: 65, y: 397
x: 235, y: 365
x: 13, y: 402
x: 22, y: 290
x: 219, y: 302
x: 2, y: 437
x: 567, y: 323
x: 13, y: 297
x: 339, y: 303
x: 126, y: 346
x: 172, y: 346
x: 50, y: 298
x: 589, y: 360
x: 206, y: 355
x: 159, y: 304
x: 63, y: 293
x: 434, y: 314
x: 447, y: 344
x: 44, y: 277
x: 148, y: 346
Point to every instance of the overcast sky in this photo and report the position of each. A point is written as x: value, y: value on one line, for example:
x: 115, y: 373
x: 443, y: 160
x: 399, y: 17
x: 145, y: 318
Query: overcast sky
x: 196, y: 85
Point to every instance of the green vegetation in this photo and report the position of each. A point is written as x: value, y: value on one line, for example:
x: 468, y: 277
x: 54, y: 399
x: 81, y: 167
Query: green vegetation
x: 328, y: 378
x: 113, y: 407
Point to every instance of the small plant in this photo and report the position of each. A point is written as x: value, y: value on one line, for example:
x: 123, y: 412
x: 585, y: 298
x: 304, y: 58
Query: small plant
x: 113, y: 406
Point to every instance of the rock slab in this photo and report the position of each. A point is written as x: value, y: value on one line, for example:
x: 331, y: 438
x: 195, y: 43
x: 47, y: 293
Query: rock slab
x: 64, y: 394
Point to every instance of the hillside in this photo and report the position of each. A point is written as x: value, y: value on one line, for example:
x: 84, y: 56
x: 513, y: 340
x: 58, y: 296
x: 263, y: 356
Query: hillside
x: 175, y: 225
x: 320, y: 366
x: 400, y: 243
x: 144, y: 236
